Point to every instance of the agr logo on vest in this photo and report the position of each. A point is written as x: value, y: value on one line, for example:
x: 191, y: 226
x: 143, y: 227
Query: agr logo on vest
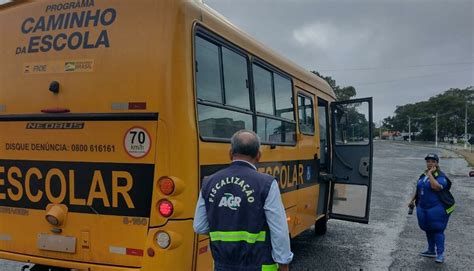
x: 231, y: 201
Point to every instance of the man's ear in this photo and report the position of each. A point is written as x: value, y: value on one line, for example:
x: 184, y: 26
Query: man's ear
x: 230, y: 154
x: 259, y: 155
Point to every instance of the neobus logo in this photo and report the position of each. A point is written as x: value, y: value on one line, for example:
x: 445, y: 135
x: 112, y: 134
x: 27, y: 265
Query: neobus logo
x: 116, y: 189
x: 55, y: 125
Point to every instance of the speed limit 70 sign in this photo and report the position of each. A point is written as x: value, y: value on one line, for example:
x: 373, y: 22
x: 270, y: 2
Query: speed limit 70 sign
x: 137, y: 142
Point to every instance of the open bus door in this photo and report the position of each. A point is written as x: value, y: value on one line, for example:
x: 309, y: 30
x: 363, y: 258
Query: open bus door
x: 352, y: 152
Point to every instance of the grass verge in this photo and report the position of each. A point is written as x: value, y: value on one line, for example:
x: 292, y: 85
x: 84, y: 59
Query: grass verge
x: 469, y: 156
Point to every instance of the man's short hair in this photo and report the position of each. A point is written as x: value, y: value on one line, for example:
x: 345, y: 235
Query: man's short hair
x: 245, y: 145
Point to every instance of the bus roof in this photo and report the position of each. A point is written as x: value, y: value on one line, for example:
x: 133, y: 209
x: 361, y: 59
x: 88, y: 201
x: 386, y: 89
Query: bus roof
x: 212, y: 17
x: 10, y: 3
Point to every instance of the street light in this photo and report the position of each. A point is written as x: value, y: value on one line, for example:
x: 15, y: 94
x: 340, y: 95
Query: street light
x: 352, y: 125
x: 465, y: 123
x: 380, y: 129
x: 465, y: 128
x: 409, y: 130
x: 436, y: 131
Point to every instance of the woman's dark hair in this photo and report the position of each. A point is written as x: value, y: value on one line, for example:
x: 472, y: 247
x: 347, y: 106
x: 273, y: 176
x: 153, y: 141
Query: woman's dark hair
x: 245, y: 145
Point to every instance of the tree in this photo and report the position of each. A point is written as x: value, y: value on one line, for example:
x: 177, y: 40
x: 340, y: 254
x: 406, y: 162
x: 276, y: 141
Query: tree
x: 342, y: 93
x: 450, y: 107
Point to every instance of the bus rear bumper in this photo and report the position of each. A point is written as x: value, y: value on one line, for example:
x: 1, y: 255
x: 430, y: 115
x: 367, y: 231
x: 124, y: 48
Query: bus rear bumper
x: 27, y: 259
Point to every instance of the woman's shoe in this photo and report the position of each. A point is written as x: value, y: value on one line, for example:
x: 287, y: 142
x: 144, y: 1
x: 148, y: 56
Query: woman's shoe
x: 429, y: 254
x: 440, y: 259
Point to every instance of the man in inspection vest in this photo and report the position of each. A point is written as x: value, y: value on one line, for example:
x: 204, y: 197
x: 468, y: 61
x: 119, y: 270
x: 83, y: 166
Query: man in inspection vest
x: 242, y: 211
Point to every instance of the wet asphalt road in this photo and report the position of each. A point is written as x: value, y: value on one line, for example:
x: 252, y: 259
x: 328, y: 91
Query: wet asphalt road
x: 392, y: 239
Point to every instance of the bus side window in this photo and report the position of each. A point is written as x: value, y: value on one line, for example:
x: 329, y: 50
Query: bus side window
x: 306, y: 114
x: 222, y: 90
x: 274, y: 106
x: 323, y: 118
x: 262, y: 80
x: 283, y: 97
x: 235, y: 79
x: 208, y: 79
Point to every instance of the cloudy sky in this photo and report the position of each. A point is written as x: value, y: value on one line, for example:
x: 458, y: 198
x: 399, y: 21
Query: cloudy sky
x: 397, y: 51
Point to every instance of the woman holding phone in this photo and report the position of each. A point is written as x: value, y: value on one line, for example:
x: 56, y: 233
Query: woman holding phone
x: 430, y: 211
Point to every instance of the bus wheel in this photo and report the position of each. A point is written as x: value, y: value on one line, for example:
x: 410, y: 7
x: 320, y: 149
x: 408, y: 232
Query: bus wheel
x: 320, y: 226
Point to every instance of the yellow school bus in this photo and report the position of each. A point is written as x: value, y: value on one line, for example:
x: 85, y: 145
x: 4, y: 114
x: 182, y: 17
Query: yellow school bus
x: 112, y: 112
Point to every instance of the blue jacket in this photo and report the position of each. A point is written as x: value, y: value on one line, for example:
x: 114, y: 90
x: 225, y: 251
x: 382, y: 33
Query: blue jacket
x: 240, y: 236
x: 426, y: 196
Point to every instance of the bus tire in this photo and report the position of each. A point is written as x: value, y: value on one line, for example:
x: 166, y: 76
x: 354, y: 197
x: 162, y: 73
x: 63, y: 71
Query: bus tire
x: 320, y: 226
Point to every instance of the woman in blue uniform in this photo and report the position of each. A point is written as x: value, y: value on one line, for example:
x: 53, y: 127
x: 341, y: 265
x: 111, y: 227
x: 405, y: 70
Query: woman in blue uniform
x: 431, y: 212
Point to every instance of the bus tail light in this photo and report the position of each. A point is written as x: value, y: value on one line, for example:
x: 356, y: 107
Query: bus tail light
x: 163, y: 239
x: 165, y: 208
x: 166, y: 185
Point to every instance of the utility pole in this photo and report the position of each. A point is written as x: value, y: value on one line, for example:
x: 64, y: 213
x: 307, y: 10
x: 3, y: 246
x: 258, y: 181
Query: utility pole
x: 409, y: 130
x: 465, y: 128
x: 436, y: 138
